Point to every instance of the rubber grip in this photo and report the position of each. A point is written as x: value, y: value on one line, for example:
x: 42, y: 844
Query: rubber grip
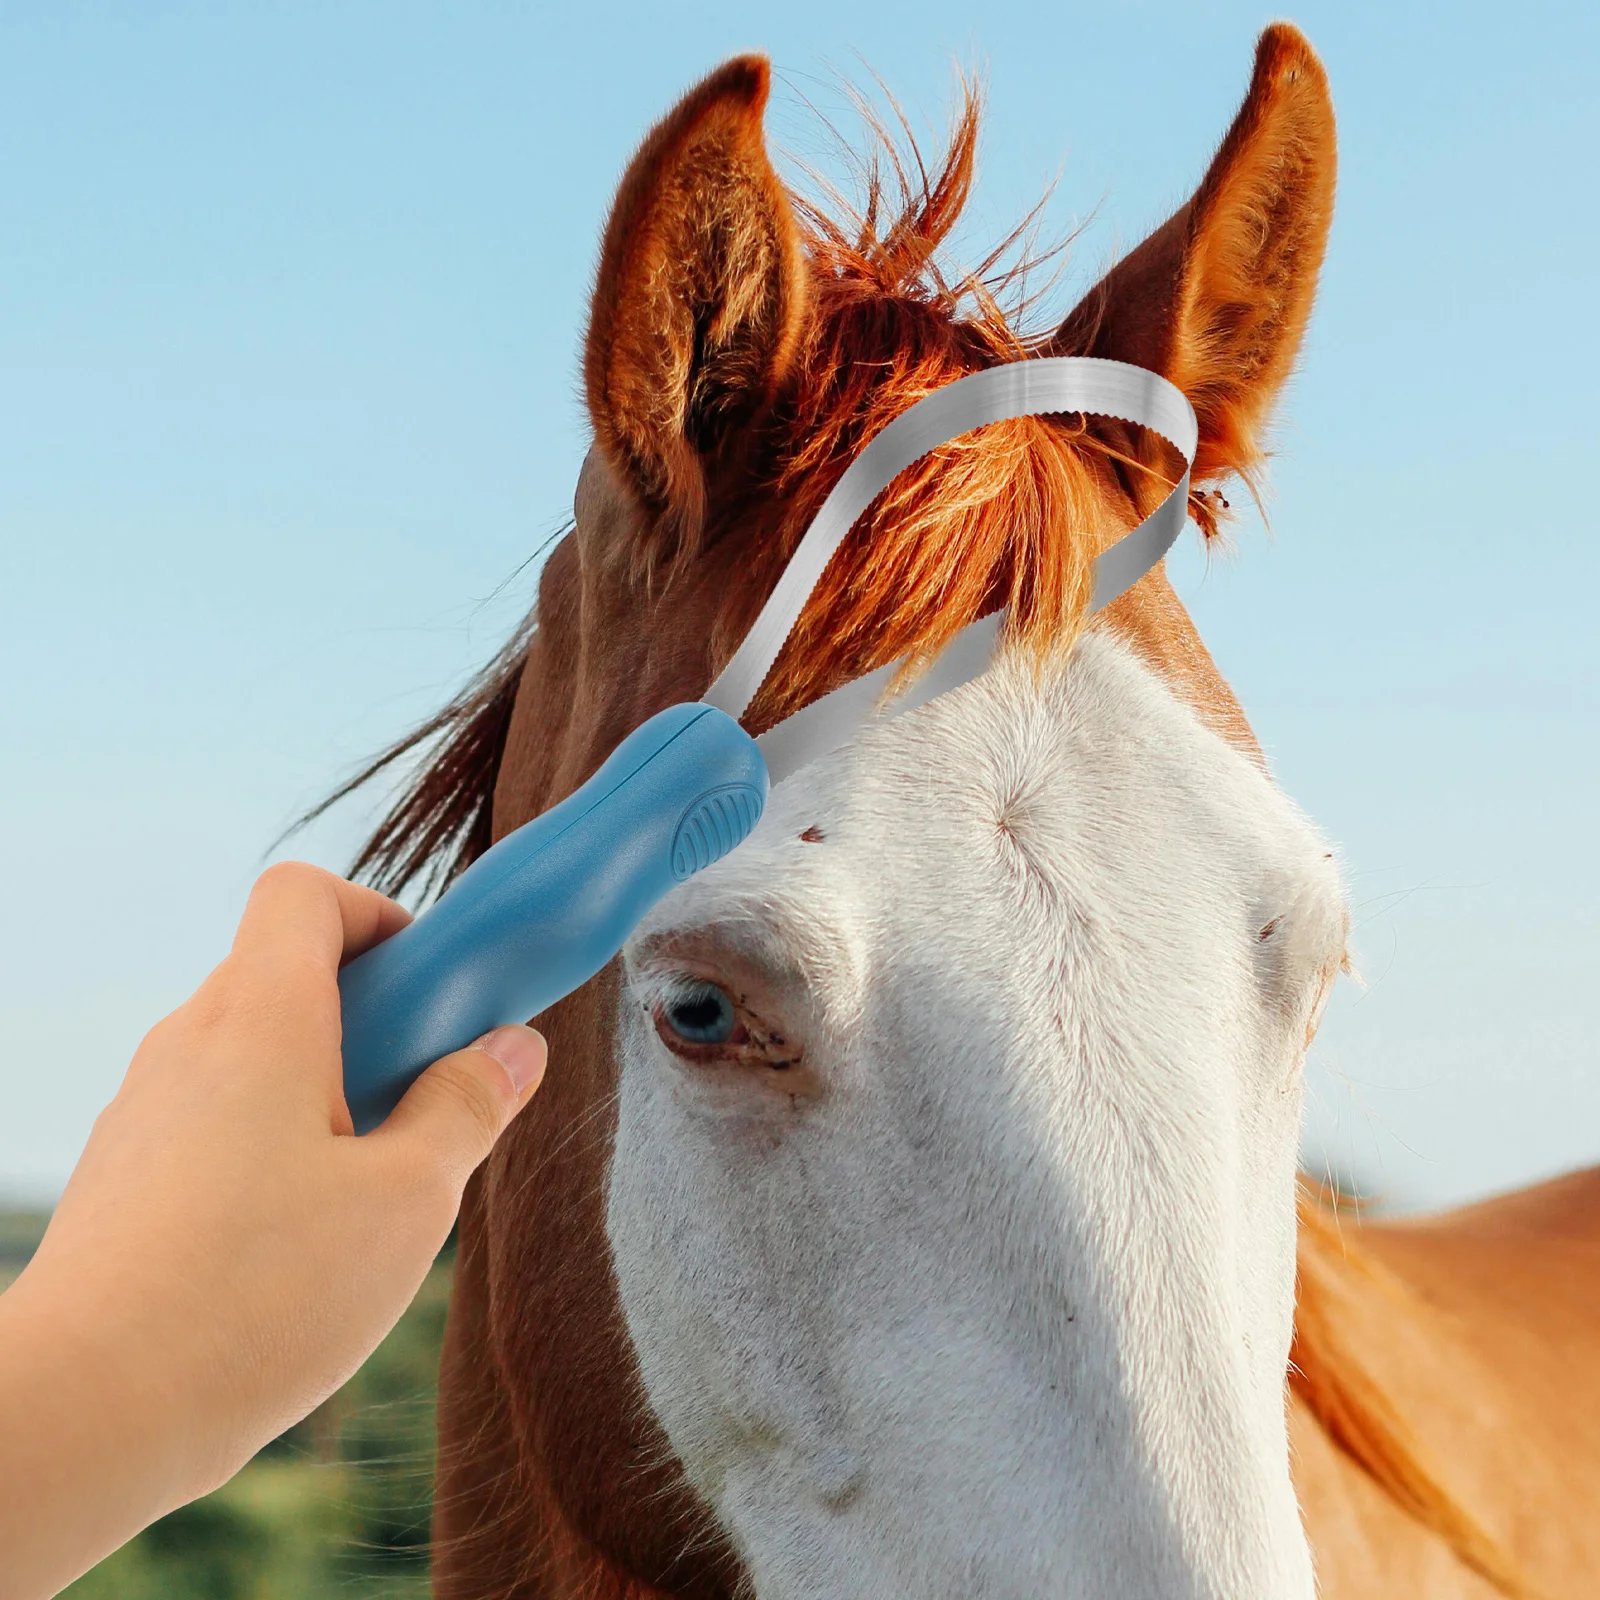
x: 551, y: 904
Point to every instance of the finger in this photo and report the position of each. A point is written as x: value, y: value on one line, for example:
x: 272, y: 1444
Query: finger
x: 452, y: 1115
x: 298, y: 913
x: 369, y: 917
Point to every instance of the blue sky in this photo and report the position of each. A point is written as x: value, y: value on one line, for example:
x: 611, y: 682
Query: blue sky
x: 290, y: 305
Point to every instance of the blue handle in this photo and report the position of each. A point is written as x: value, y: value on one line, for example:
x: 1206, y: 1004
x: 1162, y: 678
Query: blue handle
x: 551, y: 904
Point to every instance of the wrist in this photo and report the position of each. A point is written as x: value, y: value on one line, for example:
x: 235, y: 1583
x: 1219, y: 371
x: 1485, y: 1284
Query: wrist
x: 98, y: 1386
x: 91, y: 1454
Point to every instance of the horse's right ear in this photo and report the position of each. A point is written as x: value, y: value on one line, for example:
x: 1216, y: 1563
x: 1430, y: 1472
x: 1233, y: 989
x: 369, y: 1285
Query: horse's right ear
x: 698, y: 299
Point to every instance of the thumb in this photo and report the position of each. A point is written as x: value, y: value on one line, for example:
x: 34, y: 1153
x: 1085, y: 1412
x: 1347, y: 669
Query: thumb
x: 463, y: 1102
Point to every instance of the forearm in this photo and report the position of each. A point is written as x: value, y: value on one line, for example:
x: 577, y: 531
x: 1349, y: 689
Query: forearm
x: 91, y: 1448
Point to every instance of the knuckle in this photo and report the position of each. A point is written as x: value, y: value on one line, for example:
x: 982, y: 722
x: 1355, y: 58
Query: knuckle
x: 217, y: 1002
x: 233, y: 992
x: 295, y: 876
x: 240, y: 1000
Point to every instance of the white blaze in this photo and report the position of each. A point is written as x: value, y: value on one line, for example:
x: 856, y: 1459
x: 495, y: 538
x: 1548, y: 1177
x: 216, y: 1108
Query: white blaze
x: 990, y: 1294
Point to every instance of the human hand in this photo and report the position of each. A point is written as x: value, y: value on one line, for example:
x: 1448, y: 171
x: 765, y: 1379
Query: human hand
x: 226, y: 1253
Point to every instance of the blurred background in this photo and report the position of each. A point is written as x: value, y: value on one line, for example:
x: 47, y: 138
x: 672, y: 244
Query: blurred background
x: 291, y: 298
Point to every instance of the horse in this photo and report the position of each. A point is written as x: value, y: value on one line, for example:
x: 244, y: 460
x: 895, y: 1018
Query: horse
x: 914, y: 1208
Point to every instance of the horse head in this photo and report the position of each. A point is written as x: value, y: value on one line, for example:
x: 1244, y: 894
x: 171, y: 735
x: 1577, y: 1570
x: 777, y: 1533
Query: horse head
x: 913, y: 1211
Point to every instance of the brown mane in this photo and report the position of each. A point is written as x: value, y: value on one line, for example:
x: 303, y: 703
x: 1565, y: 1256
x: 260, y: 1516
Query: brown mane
x: 1013, y: 515
x: 1009, y: 516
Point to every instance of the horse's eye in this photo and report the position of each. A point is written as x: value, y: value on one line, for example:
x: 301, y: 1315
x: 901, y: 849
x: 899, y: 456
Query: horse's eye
x: 699, y: 1013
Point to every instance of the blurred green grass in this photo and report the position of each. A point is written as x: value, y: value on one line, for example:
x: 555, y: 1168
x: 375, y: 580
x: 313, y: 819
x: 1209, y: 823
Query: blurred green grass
x: 338, y: 1506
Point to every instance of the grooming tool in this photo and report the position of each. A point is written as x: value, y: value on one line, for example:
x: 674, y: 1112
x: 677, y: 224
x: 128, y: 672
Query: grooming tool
x: 549, y: 905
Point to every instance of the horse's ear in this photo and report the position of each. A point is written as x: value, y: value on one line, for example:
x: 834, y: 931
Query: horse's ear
x: 1216, y: 299
x: 698, y: 299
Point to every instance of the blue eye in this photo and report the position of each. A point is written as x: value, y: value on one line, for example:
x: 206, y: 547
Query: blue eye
x: 700, y: 1013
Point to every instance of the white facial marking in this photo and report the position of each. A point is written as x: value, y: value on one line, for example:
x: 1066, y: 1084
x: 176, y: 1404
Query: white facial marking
x: 952, y: 1203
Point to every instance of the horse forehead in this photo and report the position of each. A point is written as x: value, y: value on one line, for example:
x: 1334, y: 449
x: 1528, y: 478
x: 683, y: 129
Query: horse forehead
x: 1095, y: 775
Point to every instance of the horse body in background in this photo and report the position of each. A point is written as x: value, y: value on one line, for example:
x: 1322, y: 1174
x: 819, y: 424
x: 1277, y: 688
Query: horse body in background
x: 914, y: 1210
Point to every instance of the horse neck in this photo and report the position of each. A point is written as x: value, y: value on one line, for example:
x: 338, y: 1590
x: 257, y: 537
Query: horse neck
x: 1454, y: 1452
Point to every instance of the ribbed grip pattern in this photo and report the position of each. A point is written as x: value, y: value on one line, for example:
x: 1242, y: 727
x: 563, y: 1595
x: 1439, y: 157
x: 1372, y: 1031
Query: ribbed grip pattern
x: 712, y: 826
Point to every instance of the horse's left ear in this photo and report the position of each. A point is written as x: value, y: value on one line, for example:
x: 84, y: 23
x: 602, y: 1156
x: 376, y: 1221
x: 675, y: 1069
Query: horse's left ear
x: 698, y: 299
x: 1217, y: 298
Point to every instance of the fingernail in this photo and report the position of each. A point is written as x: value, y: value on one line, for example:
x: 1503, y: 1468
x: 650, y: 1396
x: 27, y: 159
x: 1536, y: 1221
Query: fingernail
x: 521, y: 1051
